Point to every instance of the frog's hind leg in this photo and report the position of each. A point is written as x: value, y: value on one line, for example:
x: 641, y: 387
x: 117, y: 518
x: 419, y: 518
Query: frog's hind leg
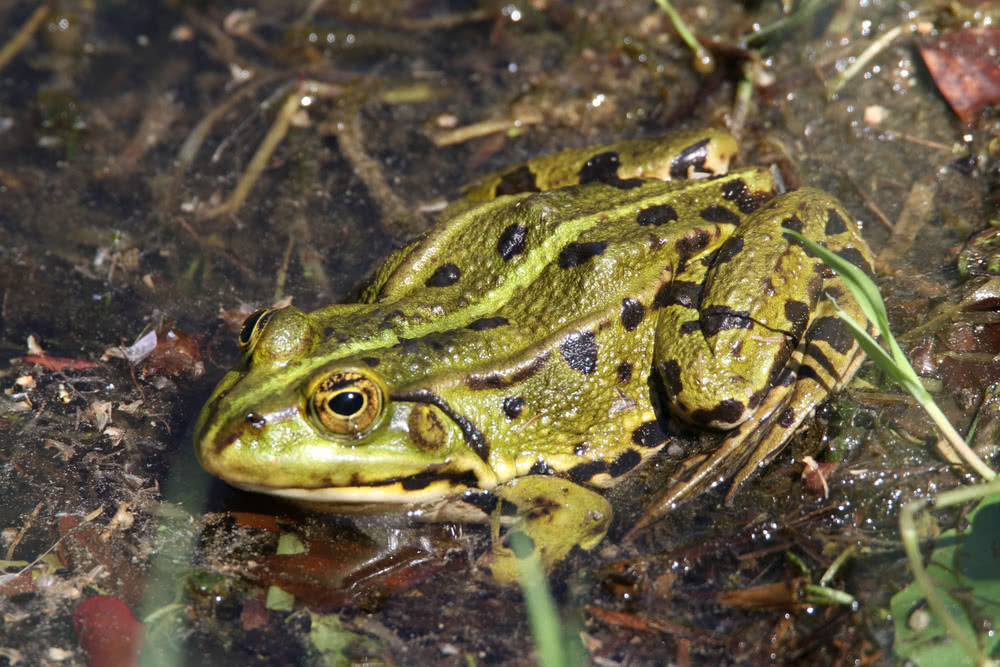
x: 794, y: 327
x: 766, y: 435
x: 751, y: 446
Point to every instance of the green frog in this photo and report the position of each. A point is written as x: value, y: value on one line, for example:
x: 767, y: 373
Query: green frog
x: 543, y: 339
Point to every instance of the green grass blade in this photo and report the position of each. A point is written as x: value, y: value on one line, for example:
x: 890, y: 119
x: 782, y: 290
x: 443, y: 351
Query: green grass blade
x: 893, y: 362
x: 542, y: 615
x: 870, y: 299
x: 875, y: 352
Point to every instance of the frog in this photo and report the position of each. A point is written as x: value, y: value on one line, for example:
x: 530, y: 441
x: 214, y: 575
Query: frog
x: 560, y: 324
x: 979, y: 255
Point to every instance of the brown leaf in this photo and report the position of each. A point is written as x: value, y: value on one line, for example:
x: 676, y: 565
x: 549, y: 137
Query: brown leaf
x: 176, y: 354
x: 966, y: 69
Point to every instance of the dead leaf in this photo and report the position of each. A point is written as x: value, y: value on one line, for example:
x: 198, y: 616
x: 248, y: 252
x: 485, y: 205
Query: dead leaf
x: 966, y: 69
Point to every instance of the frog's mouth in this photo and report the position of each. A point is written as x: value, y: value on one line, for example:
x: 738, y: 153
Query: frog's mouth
x: 417, y: 488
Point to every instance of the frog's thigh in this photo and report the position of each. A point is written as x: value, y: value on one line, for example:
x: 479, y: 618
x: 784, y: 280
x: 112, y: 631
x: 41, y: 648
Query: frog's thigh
x: 781, y: 412
x: 824, y: 360
x: 806, y: 380
x: 728, y: 330
x: 556, y: 515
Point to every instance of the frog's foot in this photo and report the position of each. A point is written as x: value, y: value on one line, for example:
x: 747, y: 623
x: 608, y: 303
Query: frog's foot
x: 803, y: 384
x: 555, y: 514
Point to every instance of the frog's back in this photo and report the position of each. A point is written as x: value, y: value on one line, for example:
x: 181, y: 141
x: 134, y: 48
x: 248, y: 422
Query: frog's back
x: 556, y: 249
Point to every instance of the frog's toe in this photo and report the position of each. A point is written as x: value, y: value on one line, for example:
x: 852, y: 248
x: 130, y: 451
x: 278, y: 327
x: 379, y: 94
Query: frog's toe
x: 554, y: 515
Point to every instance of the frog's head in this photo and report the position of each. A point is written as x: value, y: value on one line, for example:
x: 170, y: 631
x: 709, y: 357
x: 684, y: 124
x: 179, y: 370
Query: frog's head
x: 293, y: 422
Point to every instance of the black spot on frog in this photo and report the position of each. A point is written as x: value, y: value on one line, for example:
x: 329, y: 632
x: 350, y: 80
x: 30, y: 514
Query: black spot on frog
x: 512, y: 241
x: 717, y: 213
x: 603, y: 168
x: 659, y: 214
x: 443, y: 276
x: 485, y: 323
x: 579, y: 349
x: 632, y: 313
x: 649, y: 434
x: 512, y: 406
x: 576, y: 253
x: 517, y: 181
x: 625, y: 462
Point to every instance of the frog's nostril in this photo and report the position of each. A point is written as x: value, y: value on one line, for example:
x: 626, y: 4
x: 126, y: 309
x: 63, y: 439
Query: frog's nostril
x: 256, y: 420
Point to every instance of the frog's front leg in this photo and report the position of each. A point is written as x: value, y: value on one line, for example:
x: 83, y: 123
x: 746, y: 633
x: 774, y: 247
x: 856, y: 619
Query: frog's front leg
x: 750, y: 341
x: 554, y: 513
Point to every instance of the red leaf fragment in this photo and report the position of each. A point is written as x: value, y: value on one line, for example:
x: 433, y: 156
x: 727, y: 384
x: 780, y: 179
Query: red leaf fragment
x: 85, y: 547
x: 56, y: 363
x: 779, y: 595
x: 620, y: 618
x: 254, y: 520
x: 328, y: 575
x: 108, y: 632
x: 965, y: 66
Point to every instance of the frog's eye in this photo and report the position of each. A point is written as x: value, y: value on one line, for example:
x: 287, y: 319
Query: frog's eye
x: 252, y: 326
x: 347, y: 403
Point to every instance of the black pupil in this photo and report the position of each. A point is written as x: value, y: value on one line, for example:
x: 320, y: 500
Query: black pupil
x: 347, y: 403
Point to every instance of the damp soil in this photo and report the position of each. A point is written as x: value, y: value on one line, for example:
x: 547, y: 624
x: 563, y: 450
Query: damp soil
x: 126, y: 129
